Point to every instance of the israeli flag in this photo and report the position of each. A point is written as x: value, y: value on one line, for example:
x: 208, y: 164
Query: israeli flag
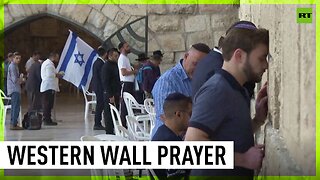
x: 76, y: 61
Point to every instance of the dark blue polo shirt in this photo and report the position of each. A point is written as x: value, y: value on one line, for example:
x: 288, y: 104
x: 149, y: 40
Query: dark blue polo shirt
x: 165, y: 134
x: 205, y: 69
x: 221, y: 109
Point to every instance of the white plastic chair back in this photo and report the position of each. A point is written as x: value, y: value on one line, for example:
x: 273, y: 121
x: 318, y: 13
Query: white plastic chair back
x: 131, y: 104
x: 125, y: 133
x: 115, y: 115
x: 92, y: 102
x: 136, y: 129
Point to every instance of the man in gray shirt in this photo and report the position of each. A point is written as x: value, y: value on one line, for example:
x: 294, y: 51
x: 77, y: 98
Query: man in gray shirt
x: 14, y: 90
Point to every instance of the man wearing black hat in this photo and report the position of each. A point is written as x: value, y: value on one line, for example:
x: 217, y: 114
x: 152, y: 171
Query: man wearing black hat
x: 139, y: 94
x: 151, y: 72
x: 177, y: 79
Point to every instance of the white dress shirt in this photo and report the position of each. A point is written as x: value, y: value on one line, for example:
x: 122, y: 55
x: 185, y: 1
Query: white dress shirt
x: 48, y: 75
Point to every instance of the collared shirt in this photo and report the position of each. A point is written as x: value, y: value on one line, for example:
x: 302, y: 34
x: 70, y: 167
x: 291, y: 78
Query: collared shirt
x: 48, y: 76
x: 205, y: 69
x: 124, y: 63
x: 221, y: 109
x: 13, y: 82
x: 174, y: 80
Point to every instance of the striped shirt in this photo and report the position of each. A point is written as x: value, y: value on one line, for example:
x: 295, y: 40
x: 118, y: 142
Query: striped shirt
x: 13, y: 80
x: 174, y: 80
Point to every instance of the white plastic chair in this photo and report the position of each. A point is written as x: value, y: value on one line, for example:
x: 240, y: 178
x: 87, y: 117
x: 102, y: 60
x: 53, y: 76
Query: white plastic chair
x: 91, y: 102
x: 101, y: 174
x: 115, y: 115
x: 150, y: 109
x: 8, y: 106
x: 131, y: 105
x: 110, y: 137
x: 136, y: 129
x: 126, y: 134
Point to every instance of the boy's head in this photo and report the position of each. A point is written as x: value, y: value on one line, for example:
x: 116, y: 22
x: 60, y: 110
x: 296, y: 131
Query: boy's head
x: 177, y: 110
x: 16, y: 57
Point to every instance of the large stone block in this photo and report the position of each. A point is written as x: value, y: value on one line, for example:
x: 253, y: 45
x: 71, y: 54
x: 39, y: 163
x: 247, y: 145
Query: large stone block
x: 172, y: 42
x: 97, y: 19
x: 217, y: 8
x: 78, y: 13
x: 134, y: 9
x: 97, y: 6
x: 54, y: 8
x: 37, y: 8
x: 110, y: 11
x: 122, y: 18
x: 168, y: 58
x: 93, y: 30
x: 166, y: 23
x: 156, y: 9
x: 182, y: 8
x: 16, y: 10
x: 196, y: 23
x: 223, y: 21
x: 109, y: 29
x: 7, y: 17
x: 200, y: 37
x: 153, y: 44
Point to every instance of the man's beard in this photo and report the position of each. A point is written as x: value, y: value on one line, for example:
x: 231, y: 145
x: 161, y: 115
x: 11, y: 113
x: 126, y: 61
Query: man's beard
x: 249, y: 72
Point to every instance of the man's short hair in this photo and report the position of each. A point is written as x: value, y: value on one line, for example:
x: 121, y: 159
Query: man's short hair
x: 121, y: 44
x: 10, y: 55
x: 175, y: 102
x: 16, y: 54
x: 101, y: 51
x: 53, y: 54
x: 245, y: 39
x: 36, y: 53
x: 112, y: 50
x: 201, y: 47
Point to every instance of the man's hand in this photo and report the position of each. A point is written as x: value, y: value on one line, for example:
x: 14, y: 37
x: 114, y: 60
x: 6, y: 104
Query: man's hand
x: 252, y: 159
x: 262, y: 105
x: 111, y: 100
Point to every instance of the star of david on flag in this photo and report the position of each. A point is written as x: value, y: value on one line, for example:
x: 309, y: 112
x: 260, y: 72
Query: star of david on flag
x: 76, y: 61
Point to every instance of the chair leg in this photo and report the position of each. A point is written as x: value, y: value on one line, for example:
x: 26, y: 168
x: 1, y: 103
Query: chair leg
x: 4, y: 117
x: 86, y: 112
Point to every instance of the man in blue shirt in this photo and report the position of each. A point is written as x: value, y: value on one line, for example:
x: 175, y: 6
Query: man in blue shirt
x: 221, y: 111
x: 177, y: 111
x: 177, y: 79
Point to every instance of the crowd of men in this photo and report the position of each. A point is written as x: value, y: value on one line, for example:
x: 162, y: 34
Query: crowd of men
x: 205, y: 96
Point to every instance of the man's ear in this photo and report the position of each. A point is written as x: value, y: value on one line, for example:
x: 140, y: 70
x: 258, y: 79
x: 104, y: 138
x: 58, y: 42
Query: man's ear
x: 163, y: 117
x: 186, y: 55
x: 239, y: 55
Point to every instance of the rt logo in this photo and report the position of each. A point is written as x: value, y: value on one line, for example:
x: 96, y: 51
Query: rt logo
x: 304, y: 15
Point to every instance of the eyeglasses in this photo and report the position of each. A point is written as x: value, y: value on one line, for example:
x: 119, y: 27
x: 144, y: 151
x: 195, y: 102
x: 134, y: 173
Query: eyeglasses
x: 269, y: 58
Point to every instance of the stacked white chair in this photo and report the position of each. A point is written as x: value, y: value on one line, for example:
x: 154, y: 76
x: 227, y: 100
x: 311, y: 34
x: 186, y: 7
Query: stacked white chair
x: 89, y: 102
x: 150, y: 109
x: 131, y: 105
x: 137, y: 130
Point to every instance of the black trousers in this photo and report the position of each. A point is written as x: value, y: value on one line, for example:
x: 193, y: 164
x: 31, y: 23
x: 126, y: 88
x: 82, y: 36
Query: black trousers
x: 99, y: 108
x: 129, y: 88
x: 47, y: 104
x: 107, y: 113
x: 34, y: 101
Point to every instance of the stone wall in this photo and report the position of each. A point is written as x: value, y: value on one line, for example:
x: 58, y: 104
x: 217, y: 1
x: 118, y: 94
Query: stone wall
x: 172, y: 28
x: 290, y: 134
